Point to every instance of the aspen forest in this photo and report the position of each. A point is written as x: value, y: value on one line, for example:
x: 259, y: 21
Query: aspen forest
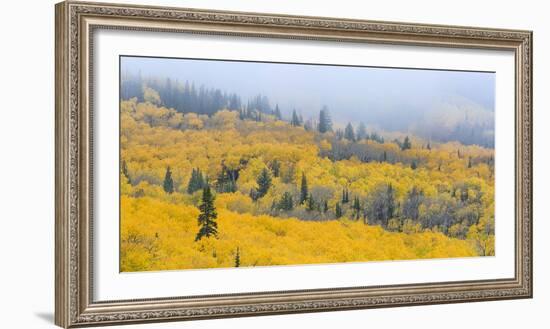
x: 216, y: 178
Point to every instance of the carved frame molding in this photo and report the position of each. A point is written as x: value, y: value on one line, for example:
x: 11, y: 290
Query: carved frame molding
x: 75, y: 24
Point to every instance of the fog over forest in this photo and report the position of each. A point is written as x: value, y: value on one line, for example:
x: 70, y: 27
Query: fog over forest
x: 434, y: 104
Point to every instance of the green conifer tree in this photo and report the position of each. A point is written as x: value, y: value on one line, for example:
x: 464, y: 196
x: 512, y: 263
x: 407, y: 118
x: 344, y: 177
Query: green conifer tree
x: 310, y: 204
x: 345, y: 196
x: 338, y: 210
x: 287, y: 202
x: 208, y: 215
x: 295, y: 121
x: 349, y: 133
x: 168, y: 181
x: 264, y: 182
x: 238, y: 258
x: 406, y: 144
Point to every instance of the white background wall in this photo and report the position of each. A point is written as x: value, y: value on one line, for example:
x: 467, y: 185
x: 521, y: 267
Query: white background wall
x: 27, y: 162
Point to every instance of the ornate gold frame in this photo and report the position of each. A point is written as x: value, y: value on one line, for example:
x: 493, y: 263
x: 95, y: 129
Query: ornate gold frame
x: 76, y: 22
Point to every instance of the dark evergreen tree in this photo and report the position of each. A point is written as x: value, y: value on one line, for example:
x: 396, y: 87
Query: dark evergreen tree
x: 303, y: 189
x: 237, y: 258
x: 287, y: 202
x: 414, y: 165
x: 345, y: 196
x: 325, y: 123
x: 469, y: 162
x: 349, y: 134
x: 325, y: 207
x: 183, y: 98
x: 338, y: 210
x: 406, y: 144
x: 310, y: 203
x: 168, y: 181
x: 264, y: 182
x: 208, y: 215
x: 428, y: 146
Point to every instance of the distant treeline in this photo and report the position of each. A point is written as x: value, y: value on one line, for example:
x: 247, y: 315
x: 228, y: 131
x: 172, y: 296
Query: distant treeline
x: 186, y: 97
x: 466, y: 132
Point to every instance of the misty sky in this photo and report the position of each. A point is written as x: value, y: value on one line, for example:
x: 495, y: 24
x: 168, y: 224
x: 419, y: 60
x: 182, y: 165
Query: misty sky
x: 388, y: 97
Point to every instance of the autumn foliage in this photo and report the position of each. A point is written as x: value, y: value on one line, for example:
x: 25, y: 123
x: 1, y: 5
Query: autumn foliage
x: 284, y: 194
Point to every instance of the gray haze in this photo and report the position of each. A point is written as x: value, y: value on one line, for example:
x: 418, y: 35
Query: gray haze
x: 387, y: 98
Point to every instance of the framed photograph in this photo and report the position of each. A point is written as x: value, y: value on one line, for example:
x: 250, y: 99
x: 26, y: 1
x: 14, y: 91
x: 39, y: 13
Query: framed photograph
x: 217, y: 164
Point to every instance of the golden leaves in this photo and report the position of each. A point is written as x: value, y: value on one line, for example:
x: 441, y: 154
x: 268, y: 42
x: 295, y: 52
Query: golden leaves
x: 158, y: 229
x: 159, y: 235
